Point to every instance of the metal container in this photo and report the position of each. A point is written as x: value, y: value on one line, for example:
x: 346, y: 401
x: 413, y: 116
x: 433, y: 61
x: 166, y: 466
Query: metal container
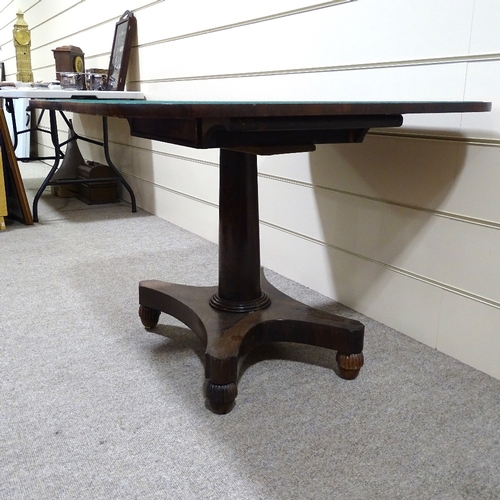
x: 72, y: 81
x: 96, y: 79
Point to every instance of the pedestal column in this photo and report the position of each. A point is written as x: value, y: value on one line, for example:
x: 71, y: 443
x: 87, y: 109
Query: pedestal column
x: 239, y: 244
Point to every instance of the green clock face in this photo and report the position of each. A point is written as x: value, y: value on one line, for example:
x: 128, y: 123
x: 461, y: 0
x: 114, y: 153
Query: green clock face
x: 22, y: 37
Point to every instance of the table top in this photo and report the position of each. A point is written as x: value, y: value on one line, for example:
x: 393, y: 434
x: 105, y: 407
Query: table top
x: 215, y: 109
x: 255, y: 127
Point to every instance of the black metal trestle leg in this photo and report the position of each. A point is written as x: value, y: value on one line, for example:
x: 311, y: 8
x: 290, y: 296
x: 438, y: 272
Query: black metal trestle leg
x: 110, y: 163
x: 58, y: 155
x: 55, y: 142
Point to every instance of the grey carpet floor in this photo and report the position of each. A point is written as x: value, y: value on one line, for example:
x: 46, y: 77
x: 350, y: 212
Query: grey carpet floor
x: 93, y: 406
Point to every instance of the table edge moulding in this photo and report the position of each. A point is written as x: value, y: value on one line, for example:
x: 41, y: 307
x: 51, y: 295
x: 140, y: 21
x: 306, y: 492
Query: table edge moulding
x: 244, y: 310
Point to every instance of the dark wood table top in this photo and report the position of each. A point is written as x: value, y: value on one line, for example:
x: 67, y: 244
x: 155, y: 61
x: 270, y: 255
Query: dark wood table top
x: 128, y: 108
x: 255, y: 127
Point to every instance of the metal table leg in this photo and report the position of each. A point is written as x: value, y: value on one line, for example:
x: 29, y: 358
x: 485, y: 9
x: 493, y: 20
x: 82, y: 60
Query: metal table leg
x: 58, y: 154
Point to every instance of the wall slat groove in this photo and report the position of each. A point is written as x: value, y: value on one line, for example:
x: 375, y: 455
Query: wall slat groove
x: 396, y: 269
x: 330, y: 69
x: 248, y: 22
x: 438, y: 213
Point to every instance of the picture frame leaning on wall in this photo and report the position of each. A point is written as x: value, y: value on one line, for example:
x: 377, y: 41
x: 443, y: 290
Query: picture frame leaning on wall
x: 120, y: 53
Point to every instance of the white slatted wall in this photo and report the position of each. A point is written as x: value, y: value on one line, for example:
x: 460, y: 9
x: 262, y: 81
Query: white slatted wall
x: 404, y: 227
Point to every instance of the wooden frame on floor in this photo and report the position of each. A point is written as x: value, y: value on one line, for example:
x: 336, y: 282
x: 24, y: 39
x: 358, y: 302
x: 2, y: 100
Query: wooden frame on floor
x: 17, y: 202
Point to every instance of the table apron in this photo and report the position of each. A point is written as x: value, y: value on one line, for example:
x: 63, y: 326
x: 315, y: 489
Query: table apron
x: 259, y: 132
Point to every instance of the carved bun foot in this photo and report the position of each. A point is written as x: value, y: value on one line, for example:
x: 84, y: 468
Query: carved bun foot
x: 349, y: 365
x: 149, y: 317
x: 220, y: 397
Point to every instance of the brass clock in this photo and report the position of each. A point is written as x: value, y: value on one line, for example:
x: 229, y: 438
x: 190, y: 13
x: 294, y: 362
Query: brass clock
x: 22, y: 44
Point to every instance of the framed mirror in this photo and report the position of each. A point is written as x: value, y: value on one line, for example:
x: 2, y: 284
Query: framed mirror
x: 120, y: 53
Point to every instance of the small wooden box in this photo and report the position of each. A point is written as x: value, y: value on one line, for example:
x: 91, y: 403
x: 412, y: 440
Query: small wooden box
x: 64, y: 190
x: 97, y: 192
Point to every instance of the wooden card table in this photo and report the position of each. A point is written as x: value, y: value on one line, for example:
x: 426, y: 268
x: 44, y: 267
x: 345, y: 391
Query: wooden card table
x: 244, y: 310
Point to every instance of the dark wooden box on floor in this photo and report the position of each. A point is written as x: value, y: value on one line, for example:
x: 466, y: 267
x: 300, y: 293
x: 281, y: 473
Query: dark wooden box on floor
x: 98, y: 192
